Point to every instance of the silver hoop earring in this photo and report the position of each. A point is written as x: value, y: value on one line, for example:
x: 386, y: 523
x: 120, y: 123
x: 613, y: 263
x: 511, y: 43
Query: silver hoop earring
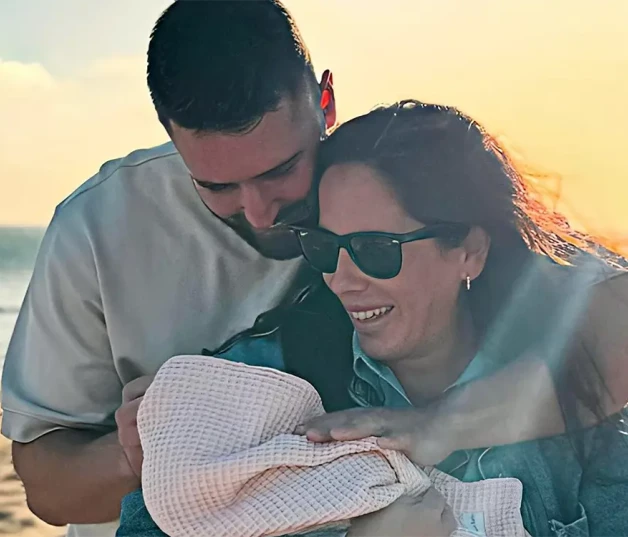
x: 468, y: 283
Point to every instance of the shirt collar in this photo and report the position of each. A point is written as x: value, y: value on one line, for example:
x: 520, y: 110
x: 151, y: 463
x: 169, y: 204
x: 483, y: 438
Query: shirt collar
x: 378, y: 376
x: 381, y: 378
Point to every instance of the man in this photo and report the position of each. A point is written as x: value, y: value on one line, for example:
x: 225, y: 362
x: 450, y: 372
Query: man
x: 135, y: 269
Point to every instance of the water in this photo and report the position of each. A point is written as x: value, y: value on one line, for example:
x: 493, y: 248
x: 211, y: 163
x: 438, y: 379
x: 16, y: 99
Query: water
x: 18, y: 249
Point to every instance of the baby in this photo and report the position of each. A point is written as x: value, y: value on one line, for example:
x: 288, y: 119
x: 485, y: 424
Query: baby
x: 221, y: 459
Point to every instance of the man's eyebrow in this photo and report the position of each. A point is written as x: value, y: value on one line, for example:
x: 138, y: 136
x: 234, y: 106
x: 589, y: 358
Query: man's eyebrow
x: 277, y: 168
x: 205, y: 183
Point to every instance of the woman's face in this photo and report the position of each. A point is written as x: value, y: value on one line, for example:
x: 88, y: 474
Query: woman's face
x: 421, y: 301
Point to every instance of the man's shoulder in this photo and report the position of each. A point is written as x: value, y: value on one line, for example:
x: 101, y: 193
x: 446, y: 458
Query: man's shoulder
x: 123, y: 173
x: 147, y: 185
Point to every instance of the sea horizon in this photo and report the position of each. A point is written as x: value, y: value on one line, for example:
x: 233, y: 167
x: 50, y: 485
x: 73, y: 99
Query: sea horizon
x: 18, y: 250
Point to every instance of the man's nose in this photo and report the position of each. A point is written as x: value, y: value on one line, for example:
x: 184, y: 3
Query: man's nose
x: 260, y: 209
x: 347, y: 278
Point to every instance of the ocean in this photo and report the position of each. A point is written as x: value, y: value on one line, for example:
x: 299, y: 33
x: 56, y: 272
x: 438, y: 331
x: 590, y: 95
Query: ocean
x: 18, y: 249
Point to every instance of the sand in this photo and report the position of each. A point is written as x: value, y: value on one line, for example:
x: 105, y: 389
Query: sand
x: 15, y: 517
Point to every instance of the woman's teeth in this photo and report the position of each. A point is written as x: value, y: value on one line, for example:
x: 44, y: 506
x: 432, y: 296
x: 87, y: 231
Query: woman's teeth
x: 370, y: 314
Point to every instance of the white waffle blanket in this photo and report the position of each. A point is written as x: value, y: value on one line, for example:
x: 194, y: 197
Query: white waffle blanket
x: 220, y: 460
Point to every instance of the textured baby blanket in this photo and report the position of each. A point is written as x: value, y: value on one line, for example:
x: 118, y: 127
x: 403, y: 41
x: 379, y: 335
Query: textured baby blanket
x: 220, y: 460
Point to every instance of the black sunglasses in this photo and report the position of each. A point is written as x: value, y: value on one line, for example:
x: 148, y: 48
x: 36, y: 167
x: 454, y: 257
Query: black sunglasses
x: 377, y: 254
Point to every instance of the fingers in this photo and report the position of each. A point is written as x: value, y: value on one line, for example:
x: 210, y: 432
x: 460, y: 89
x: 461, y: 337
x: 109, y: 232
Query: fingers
x: 448, y: 520
x: 345, y: 425
x: 433, y: 503
x: 126, y: 420
x: 136, y: 388
x: 409, y: 431
x: 427, y: 515
x: 401, y: 443
x: 433, y: 499
x: 357, y: 432
x: 126, y: 415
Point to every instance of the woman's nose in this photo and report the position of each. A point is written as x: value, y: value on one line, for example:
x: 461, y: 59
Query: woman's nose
x: 347, y: 278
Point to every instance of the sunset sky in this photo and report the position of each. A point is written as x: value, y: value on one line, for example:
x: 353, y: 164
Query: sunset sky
x: 551, y: 76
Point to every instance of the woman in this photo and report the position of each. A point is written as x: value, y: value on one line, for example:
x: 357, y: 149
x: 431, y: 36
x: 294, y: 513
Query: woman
x: 310, y: 334
x: 446, y: 264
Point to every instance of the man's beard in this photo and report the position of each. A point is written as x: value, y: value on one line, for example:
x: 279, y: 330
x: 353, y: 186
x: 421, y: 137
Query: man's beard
x: 279, y: 241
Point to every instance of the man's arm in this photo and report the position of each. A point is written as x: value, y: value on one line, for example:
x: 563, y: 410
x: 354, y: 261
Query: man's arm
x: 60, y: 387
x: 74, y: 476
x: 515, y: 404
x: 518, y: 403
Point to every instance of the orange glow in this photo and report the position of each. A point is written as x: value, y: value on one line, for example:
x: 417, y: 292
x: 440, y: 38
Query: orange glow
x: 551, y: 76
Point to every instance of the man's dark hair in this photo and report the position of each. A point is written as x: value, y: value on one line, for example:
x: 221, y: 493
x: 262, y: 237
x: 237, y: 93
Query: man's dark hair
x: 220, y: 65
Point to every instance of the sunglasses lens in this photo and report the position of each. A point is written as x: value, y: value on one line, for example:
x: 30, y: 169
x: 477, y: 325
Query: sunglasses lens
x: 378, y: 257
x: 320, y: 249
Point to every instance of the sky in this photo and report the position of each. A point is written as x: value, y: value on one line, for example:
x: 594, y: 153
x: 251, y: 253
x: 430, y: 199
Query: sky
x: 552, y: 77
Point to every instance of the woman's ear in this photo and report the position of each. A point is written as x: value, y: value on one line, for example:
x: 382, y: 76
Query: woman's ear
x: 475, y: 249
x: 328, y: 98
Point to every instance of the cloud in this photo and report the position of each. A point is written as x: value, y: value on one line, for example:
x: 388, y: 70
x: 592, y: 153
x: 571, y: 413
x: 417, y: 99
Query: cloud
x: 23, y: 76
x: 55, y: 132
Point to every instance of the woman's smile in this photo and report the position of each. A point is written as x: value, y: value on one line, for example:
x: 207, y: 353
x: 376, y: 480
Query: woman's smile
x: 367, y: 319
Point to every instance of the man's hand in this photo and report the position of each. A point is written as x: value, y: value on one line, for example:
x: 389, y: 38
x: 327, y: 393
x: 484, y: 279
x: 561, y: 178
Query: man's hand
x: 426, y: 516
x: 421, y: 434
x: 126, y: 419
x: 516, y: 404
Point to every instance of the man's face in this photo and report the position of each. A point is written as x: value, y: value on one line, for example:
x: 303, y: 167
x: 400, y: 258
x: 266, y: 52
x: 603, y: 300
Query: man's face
x: 261, y: 177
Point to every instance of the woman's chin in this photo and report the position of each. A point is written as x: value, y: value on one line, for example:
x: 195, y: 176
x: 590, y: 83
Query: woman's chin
x: 377, y: 348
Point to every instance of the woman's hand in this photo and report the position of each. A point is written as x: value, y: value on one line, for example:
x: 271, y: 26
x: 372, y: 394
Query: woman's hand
x: 426, y: 516
x: 423, y: 435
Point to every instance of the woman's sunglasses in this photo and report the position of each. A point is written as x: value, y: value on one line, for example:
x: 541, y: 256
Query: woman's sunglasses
x: 377, y: 254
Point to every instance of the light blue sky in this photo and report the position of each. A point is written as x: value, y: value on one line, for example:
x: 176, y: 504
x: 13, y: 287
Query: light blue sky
x: 65, y: 36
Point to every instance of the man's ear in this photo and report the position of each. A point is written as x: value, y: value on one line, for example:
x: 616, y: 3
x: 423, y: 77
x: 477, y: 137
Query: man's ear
x: 328, y: 98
